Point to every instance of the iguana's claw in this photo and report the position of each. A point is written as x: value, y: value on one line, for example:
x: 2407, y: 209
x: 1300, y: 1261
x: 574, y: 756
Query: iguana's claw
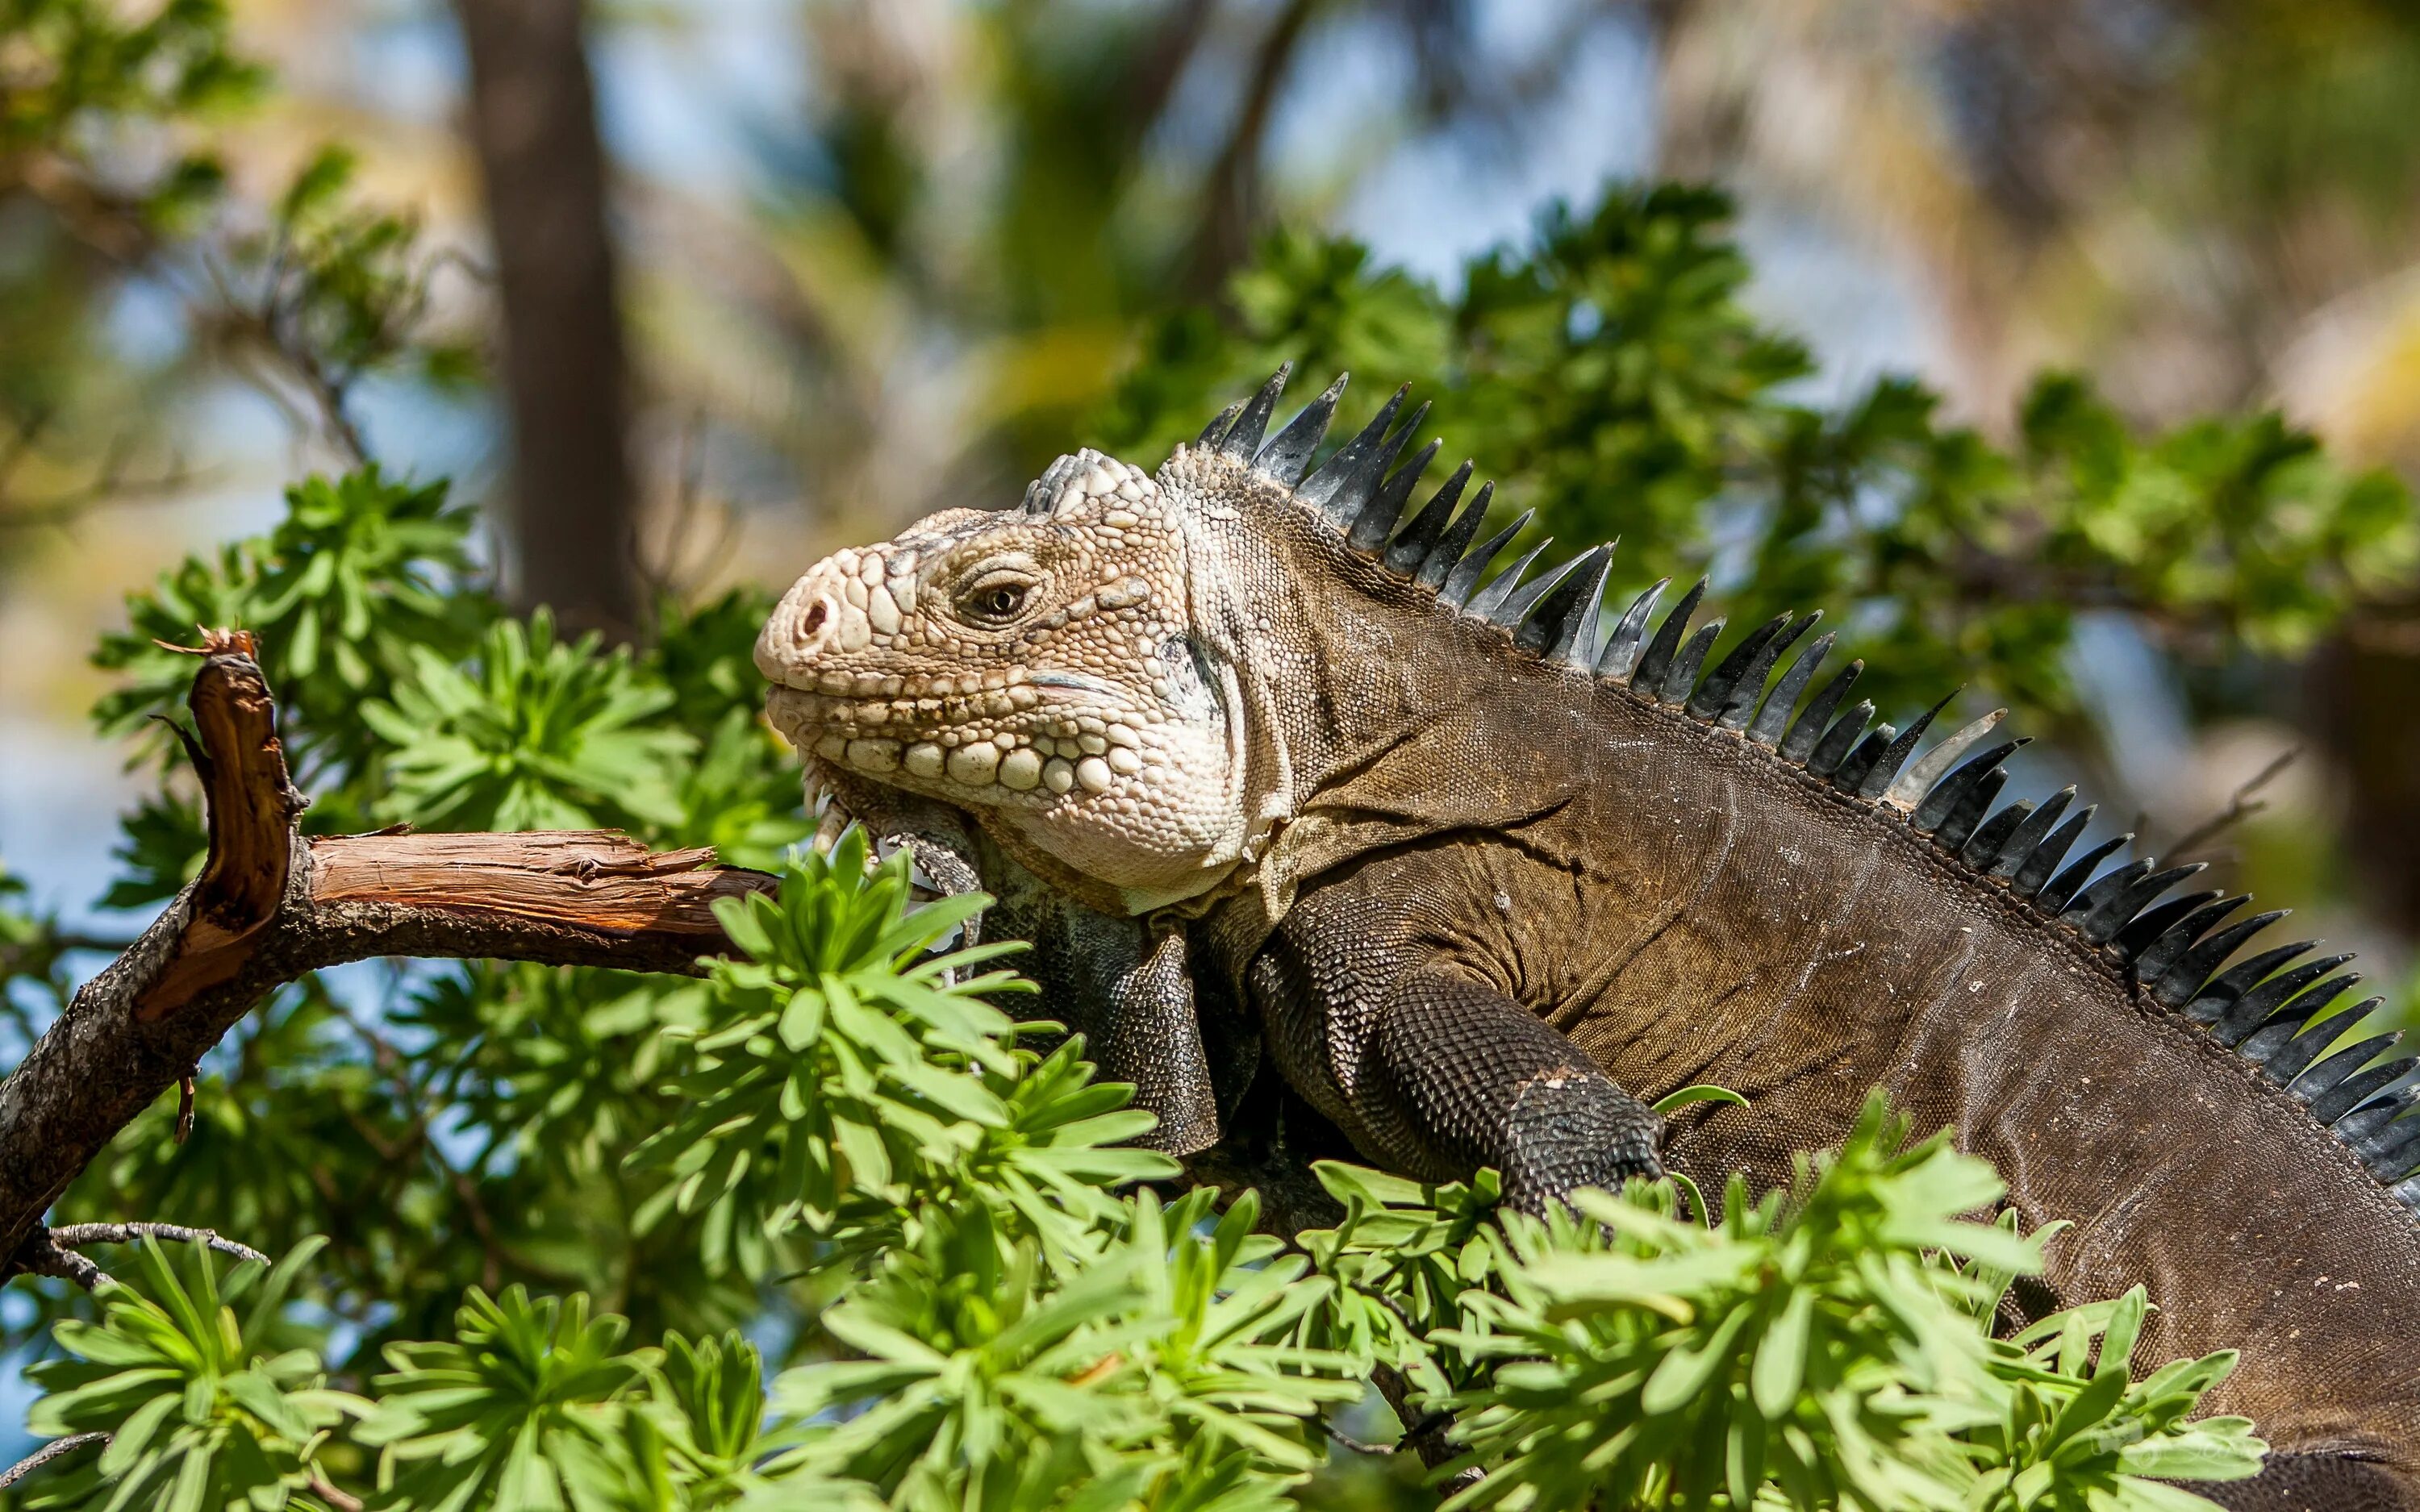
x: 934, y: 836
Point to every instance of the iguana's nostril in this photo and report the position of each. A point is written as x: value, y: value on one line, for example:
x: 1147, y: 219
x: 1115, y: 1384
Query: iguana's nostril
x: 814, y: 620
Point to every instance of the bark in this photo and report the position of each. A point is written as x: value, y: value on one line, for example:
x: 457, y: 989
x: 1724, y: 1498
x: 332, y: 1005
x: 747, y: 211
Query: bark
x: 534, y: 123
x: 271, y: 906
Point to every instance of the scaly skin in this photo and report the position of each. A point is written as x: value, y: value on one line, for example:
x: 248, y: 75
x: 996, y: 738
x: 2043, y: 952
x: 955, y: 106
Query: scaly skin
x: 1483, y: 902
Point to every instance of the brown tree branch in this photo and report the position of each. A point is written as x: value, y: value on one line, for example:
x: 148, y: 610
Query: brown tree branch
x: 271, y: 906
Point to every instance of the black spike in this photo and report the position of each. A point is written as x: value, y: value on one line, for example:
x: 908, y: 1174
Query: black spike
x: 2252, y: 1010
x: 2206, y: 1005
x: 2179, y: 983
x: 1291, y: 450
x: 1243, y: 437
x: 1834, y: 748
x: 2063, y: 887
x: 1947, y: 793
x: 1660, y: 651
x: 2162, y: 953
x: 2291, y: 1038
x: 1485, y: 603
x: 1992, y: 833
x: 1747, y: 689
x: 1568, y: 619
x: 2360, y: 1127
x: 2106, y: 910
x: 2392, y: 1149
x: 1774, y: 714
x: 1219, y: 425
x: 1446, y: 554
x: 1377, y: 519
x: 2028, y: 881
x: 2021, y: 846
x: 1878, y: 779
x: 1411, y: 545
x: 1366, y: 476
x: 1465, y: 575
x: 2156, y: 921
x: 1957, y: 830
x: 1514, y: 611
x: 2336, y: 1085
x: 1807, y: 732
x: 1339, y: 487
x: 2298, y: 1052
x: 2397, y: 1151
x: 2107, y: 887
x: 2362, y: 1086
x: 1713, y: 692
x: 1868, y: 751
x: 1621, y: 648
x: 1684, y: 669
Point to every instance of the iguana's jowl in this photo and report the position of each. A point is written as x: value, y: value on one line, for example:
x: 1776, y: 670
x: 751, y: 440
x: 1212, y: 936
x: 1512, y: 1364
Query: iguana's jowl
x: 1492, y: 862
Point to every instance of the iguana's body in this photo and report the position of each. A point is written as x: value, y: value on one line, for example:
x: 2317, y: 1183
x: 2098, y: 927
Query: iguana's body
x: 1490, y: 878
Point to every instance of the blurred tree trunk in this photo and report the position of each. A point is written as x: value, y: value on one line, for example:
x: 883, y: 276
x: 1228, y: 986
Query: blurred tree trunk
x: 534, y: 122
x: 2368, y: 688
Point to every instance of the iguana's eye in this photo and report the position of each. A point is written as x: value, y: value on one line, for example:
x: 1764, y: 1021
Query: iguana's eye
x: 996, y: 598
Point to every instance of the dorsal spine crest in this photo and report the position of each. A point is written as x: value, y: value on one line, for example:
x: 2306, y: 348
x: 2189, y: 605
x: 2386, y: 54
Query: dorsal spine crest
x: 2173, y: 953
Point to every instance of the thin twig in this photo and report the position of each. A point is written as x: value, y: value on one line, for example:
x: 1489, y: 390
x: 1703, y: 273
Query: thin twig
x: 341, y: 1501
x: 466, y: 1191
x: 76, y: 1236
x: 2242, y: 804
x: 1347, y: 1440
x: 49, y: 1452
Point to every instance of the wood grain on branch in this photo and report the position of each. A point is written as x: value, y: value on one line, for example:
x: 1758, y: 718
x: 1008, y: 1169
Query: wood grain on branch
x: 271, y: 906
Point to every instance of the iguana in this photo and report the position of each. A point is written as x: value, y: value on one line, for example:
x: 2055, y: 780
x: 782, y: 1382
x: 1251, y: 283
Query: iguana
x: 1490, y: 868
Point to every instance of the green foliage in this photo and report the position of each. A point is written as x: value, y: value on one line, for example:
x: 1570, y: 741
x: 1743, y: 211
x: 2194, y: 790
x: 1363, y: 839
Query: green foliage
x: 516, y: 1409
x: 78, y: 68
x: 203, y: 1412
x: 31, y: 969
x: 1608, y: 377
x: 2242, y: 524
x: 537, y: 735
x: 1160, y: 1370
x: 1829, y: 1348
x: 850, y: 1080
x: 361, y: 576
x: 1815, y: 1347
x: 344, y: 286
x: 1024, y: 1330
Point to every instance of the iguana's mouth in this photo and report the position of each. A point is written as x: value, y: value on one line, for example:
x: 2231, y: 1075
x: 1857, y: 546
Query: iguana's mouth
x: 1008, y: 738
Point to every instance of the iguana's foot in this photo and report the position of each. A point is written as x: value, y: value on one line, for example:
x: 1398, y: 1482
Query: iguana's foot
x: 2313, y: 1483
x: 1483, y: 1078
x: 1570, y: 1127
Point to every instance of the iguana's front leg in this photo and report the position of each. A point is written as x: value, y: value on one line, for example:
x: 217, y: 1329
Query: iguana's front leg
x: 1119, y: 981
x: 1429, y: 1068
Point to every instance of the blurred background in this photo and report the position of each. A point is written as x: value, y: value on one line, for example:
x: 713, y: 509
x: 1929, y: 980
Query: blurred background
x: 685, y: 293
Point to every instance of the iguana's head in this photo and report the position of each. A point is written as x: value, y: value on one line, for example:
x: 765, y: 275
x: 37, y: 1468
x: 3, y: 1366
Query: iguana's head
x: 1134, y: 679
x: 1034, y: 664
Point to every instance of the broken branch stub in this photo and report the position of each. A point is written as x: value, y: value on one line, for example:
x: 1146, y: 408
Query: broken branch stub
x: 271, y: 906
